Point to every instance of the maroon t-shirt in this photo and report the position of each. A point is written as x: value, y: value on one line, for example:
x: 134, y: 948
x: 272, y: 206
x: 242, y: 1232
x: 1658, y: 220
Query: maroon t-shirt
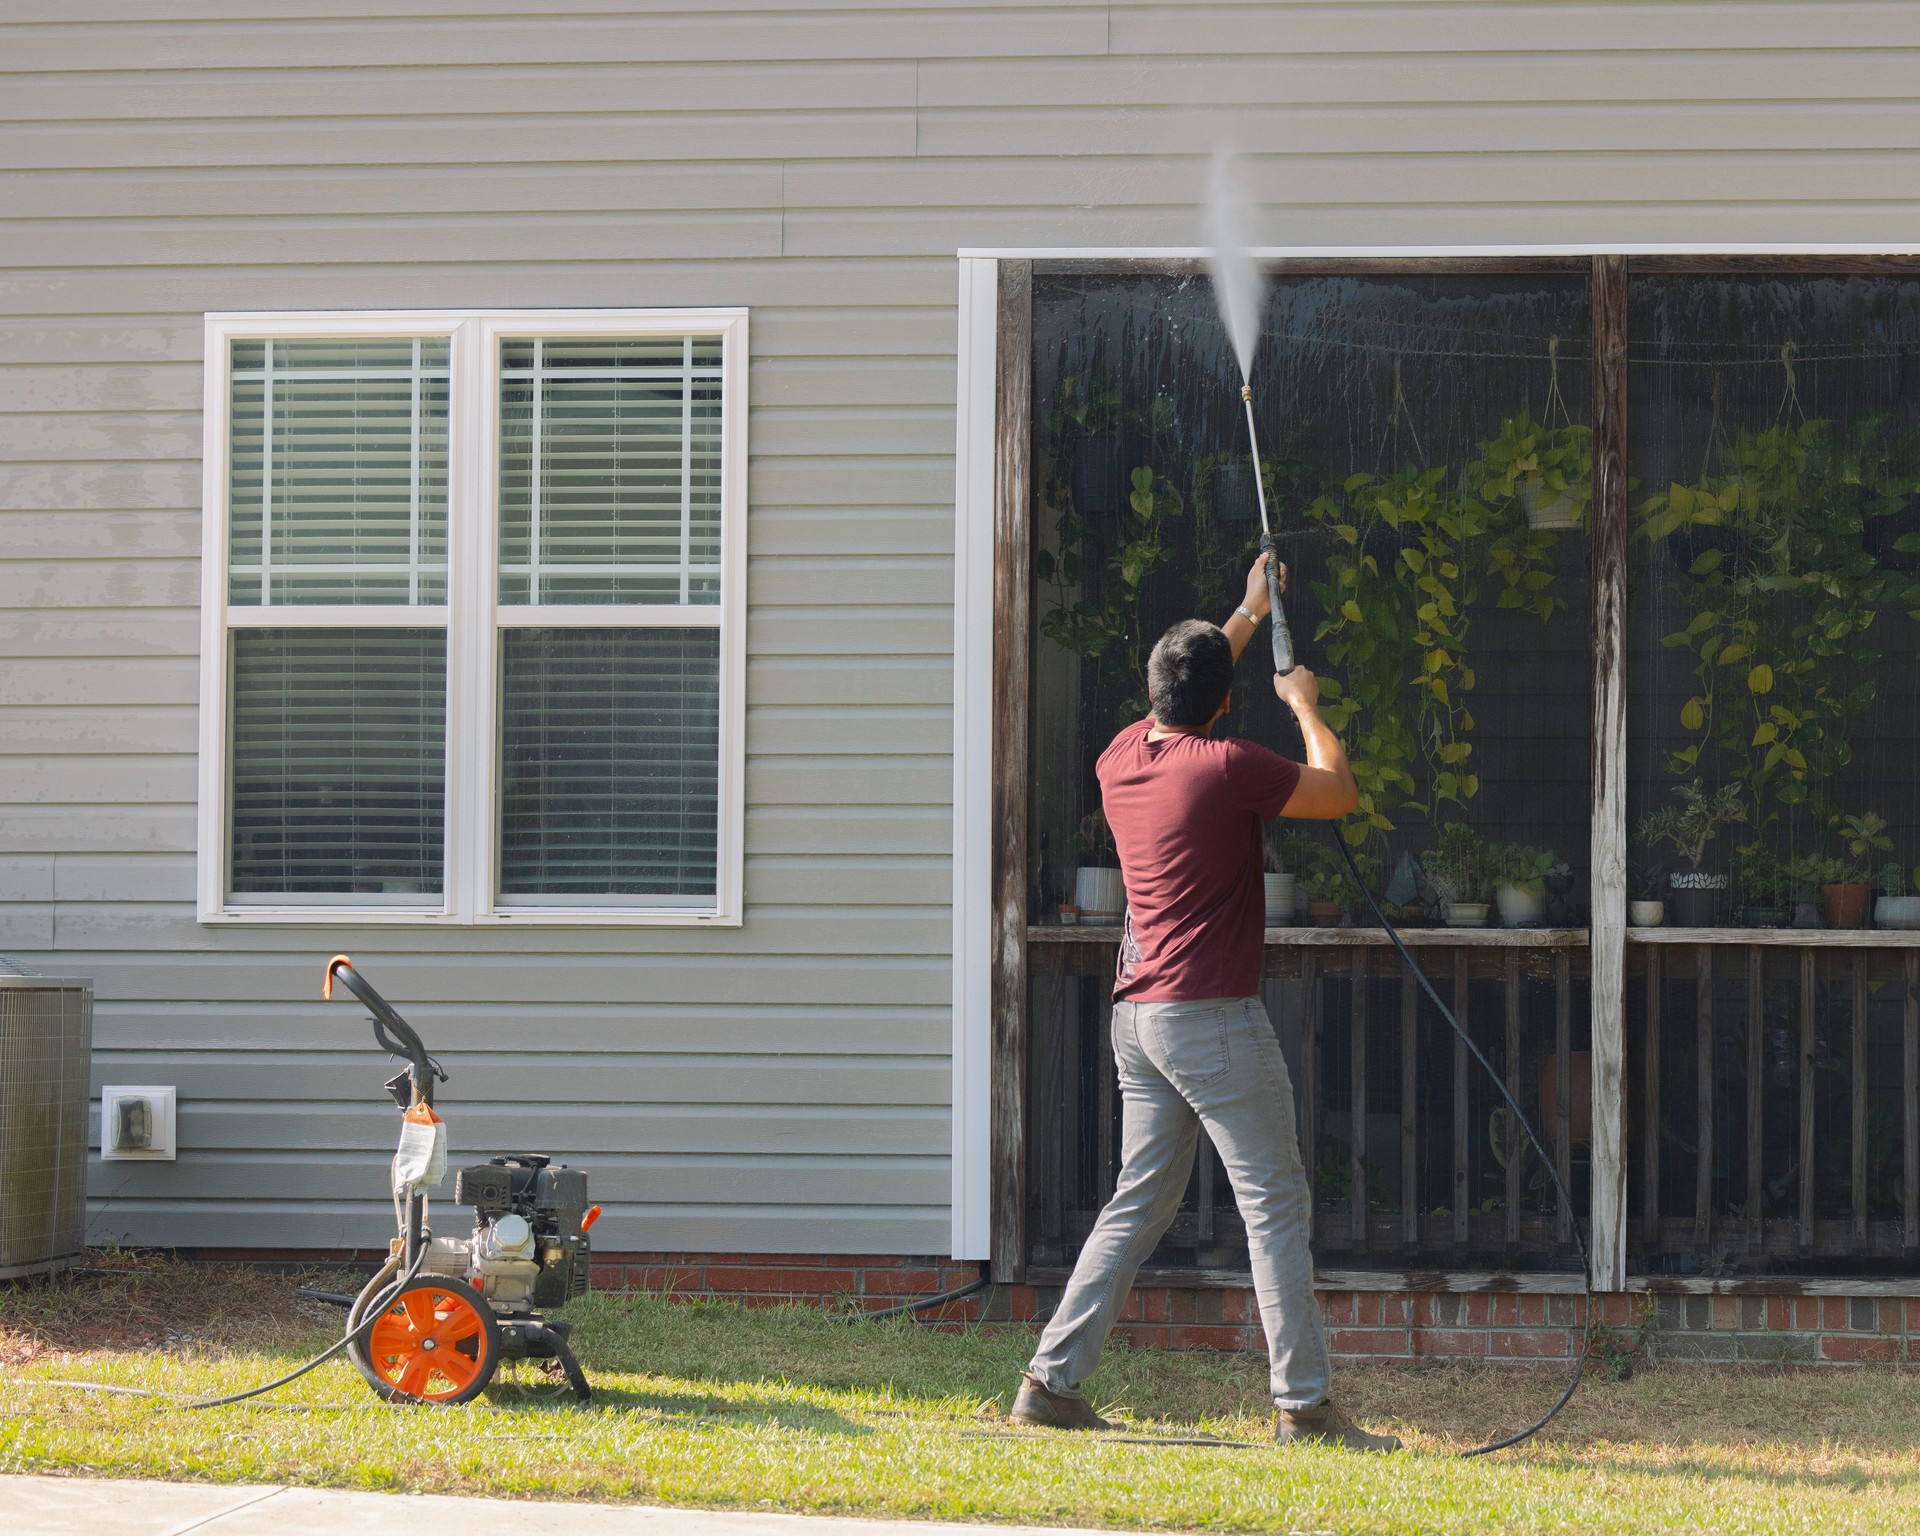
x: 1186, y: 813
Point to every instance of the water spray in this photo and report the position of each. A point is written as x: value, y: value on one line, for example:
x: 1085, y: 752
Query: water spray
x: 1238, y: 288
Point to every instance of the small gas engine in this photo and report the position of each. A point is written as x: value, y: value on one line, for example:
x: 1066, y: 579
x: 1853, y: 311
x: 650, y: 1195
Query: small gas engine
x: 528, y: 1249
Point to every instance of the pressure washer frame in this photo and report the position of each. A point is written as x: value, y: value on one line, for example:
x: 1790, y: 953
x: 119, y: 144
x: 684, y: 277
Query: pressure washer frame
x: 510, y: 1337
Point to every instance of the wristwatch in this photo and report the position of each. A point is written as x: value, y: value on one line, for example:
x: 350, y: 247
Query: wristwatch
x: 1241, y: 609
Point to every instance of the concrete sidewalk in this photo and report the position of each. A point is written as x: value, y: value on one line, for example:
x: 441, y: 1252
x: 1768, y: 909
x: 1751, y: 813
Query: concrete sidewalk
x: 58, y: 1506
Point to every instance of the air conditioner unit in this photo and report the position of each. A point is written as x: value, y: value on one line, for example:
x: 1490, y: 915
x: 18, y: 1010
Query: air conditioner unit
x: 46, y: 1058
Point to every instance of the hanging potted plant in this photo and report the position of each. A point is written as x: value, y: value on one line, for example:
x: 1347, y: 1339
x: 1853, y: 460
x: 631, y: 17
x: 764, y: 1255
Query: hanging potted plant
x: 1098, y: 889
x: 1547, y: 469
x: 1895, y: 908
x: 1844, y: 891
x: 1688, y: 827
x: 1457, y: 870
x: 1088, y: 419
x: 1519, y: 882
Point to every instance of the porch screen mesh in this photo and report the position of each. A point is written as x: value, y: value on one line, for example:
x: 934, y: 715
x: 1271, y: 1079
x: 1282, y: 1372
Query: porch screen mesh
x: 339, y: 763
x: 337, y: 489
x: 610, y: 763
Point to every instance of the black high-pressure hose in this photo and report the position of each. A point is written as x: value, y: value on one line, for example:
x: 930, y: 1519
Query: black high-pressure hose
x: 1283, y: 663
x: 1513, y: 1107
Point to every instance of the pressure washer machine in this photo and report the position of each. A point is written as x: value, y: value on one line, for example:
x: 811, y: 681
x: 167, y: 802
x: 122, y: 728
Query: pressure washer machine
x: 444, y: 1314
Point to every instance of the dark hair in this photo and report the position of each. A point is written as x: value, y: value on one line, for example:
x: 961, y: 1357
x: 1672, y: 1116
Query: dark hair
x: 1189, y: 673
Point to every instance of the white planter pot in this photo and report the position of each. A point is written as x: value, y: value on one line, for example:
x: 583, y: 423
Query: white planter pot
x: 1100, y: 895
x: 1557, y: 510
x: 1466, y: 914
x: 1520, y: 905
x: 1646, y: 914
x: 1897, y: 912
x: 1280, y: 899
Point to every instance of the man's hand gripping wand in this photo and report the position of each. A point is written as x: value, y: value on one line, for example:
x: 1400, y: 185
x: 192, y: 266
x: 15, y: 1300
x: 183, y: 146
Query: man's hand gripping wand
x: 1283, y: 661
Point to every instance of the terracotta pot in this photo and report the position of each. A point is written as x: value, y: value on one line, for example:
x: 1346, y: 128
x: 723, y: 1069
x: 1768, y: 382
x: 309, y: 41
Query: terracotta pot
x: 1323, y: 914
x: 1846, y: 905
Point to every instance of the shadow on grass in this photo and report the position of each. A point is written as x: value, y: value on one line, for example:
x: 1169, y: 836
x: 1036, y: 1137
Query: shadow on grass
x: 684, y: 1409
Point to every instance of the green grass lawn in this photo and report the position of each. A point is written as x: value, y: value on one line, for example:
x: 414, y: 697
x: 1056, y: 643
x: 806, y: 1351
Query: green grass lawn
x: 709, y: 1404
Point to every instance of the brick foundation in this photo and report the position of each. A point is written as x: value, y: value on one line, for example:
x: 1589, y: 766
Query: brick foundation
x: 1763, y: 1321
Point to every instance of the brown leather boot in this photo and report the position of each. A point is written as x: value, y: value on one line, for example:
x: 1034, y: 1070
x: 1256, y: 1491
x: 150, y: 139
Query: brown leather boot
x: 1052, y: 1410
x: 1327, y: 1425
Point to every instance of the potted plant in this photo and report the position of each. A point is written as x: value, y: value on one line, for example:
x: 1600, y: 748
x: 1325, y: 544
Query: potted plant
x: 1688, y: 827
x: 1548, y: 469
x: 1844, y: 891
x: 1519, y: 877
x: 1098, y: 890
x: 1765, y: 887
x: 1280, y: 885
x: 1087, y: 417
x: 1804, y: 874
x: 1325, y: 878
x: 1895, y: 908
x: 1559, y: 887
x: 1457, y: 870
x: 1645, y: 909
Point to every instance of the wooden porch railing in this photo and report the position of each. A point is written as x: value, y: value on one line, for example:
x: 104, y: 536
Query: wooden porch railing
x: 1411, y: 1155
x: 1776, y: 1093
x: 1772, y: 1119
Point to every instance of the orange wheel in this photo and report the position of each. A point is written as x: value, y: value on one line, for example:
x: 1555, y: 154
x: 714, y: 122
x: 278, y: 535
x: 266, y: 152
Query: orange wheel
x: 436, y: 1342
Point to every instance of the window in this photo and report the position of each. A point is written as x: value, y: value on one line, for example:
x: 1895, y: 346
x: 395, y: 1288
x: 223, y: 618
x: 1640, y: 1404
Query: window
x: 472, y: 648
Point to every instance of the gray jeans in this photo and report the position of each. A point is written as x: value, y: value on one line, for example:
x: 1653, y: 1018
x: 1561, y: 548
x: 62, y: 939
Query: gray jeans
x: 1183, y: 1065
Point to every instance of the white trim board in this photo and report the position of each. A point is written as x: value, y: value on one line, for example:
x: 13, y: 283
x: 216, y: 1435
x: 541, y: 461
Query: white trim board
x: 1430, y: 252
x: 973, y: 760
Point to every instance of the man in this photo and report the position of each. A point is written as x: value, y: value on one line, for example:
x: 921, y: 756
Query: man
x: 1190, y: 1037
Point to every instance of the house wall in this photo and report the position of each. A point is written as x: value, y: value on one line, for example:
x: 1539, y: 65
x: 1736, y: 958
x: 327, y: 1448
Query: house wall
x: 783, y: 1087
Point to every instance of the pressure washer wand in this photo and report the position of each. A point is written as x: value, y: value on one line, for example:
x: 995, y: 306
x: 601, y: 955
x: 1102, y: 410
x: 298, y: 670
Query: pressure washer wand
x: 1283, y: 661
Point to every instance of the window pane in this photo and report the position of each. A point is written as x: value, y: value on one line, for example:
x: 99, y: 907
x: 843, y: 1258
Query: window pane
x: 337, y: 484
x: 339, y: 763
x: 610, y: 470
x: 610, y: 764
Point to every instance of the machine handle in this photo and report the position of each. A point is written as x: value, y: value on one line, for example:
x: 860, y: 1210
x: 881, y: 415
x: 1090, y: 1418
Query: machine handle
x: 393, y: 1033
x: 1283, y: 660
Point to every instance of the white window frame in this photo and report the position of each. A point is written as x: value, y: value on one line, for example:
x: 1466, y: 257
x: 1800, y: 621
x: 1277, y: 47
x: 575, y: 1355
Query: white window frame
x: 474, y: 618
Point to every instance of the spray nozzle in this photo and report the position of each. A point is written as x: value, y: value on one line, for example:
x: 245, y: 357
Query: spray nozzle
x: 1246, y: 393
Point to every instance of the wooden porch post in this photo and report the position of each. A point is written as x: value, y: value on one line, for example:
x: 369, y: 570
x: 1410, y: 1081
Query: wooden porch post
x: 1609, y: 759
x: 1012, y: 536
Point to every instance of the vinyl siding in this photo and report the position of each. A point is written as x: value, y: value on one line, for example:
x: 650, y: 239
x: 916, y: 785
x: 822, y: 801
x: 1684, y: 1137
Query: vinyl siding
x: 784, y: 1085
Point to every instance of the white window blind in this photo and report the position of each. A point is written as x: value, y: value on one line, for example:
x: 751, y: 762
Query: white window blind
x: 610, y: 470
x: 339, y: 763
x: 610, y: 763
x: 337, y: 475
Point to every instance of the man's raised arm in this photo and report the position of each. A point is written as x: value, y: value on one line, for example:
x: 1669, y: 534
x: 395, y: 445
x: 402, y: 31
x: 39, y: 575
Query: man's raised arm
x: 1245, y: 619
x: 1326, y: 790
